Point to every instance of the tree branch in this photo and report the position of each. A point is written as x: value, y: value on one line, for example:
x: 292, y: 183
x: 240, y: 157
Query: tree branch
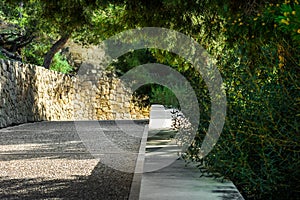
x: 54, y: 49
x: 10, y: 55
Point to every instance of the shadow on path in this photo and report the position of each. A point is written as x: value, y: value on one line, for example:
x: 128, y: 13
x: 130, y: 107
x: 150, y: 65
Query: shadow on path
x: 103, y: 183
x: 47, y: 160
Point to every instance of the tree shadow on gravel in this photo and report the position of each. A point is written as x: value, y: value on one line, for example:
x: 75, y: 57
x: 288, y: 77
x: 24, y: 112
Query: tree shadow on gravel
x: 103, y: 183
x: 49, y: 143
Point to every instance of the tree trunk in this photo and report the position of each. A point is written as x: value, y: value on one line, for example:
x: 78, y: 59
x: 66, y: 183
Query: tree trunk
x: 54, y: 49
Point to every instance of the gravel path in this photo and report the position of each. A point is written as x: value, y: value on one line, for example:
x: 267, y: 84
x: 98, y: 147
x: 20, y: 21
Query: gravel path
x: 48, y: 160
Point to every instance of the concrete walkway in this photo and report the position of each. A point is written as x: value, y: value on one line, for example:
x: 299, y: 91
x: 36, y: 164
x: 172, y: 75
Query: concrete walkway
x: 166, y: 176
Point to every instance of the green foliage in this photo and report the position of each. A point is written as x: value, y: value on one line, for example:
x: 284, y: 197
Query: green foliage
x: 259, y: 147
x: 61, y: 20
x: 132, y: 59
x: 103, y: 22
x: 35, y: 51
x: 61, y: 64
x: 266, y: 22
x: 155, y: 93
x: 164, y: 96
x: 10, y: 13
x: 2, y: 56
x: 289, y: 20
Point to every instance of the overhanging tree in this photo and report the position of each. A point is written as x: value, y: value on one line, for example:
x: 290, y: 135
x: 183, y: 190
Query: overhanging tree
x: 62, y: 20
x: 257, y: 48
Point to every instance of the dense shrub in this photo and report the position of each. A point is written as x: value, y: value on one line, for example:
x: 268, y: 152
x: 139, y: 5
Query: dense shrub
x: 259, y: 148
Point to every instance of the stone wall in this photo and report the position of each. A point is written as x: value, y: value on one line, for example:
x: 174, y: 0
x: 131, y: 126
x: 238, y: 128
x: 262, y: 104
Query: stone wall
x: 32, y: 93
x: 79, y: 55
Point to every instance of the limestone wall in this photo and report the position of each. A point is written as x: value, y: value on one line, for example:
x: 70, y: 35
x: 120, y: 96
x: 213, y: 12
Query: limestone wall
x: 32, y: 93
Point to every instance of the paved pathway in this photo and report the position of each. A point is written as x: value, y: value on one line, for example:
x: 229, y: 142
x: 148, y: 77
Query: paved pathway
x: 174, y: 179
x: 166, y: 176
x: 78, y: 160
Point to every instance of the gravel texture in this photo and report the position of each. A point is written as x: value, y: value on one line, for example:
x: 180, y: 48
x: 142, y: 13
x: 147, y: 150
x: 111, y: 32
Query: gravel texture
x: 49, y: 160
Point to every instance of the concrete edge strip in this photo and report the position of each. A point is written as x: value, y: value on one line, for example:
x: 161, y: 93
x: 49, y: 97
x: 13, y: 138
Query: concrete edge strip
x: 138, y: 172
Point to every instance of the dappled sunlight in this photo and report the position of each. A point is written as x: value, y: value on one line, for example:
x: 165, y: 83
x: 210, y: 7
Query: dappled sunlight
x: 47, y: 168
x: 39, y: 147
x: 21, y: 147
